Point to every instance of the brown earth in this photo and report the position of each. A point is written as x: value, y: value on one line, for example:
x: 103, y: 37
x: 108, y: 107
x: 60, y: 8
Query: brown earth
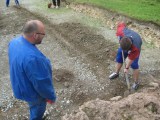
x: 138, y: 106
x: 82, y: 58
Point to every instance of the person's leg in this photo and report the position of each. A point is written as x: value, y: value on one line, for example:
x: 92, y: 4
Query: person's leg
x: 7, y: 3
x: 136, y: 75
x: 118, y: 67
x: 119, y: 59
x: 116, y: 73
x: 17, y: 2
x: 119, y: 63
x: 135, y: 68
x: 37, y: 110
x: 58, y: 3
x: 54, y: 2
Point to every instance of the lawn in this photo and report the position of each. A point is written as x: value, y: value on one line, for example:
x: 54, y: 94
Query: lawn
x: 145, y: 10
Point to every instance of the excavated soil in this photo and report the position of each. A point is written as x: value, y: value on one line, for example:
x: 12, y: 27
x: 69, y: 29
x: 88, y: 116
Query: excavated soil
x: 82, y: 58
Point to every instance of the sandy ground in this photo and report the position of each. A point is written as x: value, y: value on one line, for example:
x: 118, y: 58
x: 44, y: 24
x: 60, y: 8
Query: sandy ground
x: 82, y: 52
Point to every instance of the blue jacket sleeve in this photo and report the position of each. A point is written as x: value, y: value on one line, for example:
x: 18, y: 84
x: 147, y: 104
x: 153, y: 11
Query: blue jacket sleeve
x: 39, y: 73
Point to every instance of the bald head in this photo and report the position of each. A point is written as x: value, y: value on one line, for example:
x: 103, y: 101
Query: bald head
x: 34, y: 31
x: 32, y: 26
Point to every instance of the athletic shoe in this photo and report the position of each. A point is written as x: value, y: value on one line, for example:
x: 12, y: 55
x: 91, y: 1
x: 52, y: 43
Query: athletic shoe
x: 113, y: 75
x: 135, y: 85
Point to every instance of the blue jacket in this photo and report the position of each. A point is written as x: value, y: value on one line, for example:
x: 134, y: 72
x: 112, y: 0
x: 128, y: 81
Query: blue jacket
x: 30, y: 72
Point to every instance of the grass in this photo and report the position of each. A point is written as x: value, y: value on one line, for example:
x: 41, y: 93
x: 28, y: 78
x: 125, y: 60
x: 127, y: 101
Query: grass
x: 145, y: 10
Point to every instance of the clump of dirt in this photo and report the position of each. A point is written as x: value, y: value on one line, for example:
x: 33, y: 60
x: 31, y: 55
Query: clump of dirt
x: 137, y: 106
x: 62, y: 75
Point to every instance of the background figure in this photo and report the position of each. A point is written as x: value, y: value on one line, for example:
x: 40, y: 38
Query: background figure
x: 130, y: 45
x: 30, y: 70
x: 56, y: 3
x: 7, y: 2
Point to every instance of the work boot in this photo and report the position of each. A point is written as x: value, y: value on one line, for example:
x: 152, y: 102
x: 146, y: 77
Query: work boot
x: 114, y: 75
x: 135, y: 85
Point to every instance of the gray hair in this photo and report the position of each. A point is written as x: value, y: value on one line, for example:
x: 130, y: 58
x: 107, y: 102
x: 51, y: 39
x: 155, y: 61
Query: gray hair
x: 30, y: 27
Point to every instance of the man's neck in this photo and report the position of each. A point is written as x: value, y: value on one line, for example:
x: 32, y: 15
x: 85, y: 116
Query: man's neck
x: 29, y: 39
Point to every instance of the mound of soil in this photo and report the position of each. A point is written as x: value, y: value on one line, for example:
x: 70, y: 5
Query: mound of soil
x: 138, y: 106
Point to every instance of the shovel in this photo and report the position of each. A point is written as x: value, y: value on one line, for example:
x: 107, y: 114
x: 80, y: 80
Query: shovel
x: 125, y: 74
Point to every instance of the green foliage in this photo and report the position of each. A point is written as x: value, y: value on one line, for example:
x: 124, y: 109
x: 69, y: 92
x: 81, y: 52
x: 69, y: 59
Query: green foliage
x: 146, y: 10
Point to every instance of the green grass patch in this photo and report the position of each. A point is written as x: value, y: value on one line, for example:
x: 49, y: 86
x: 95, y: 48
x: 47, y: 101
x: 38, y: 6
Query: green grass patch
x: 145, y: 10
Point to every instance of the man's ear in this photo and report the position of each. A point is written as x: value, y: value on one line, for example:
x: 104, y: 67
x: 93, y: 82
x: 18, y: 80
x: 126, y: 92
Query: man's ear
x: 34, y: 35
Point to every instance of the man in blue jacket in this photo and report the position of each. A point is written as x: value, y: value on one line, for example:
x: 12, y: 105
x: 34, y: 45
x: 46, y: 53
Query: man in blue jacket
x: 7, y: 2
x: 30, y: 70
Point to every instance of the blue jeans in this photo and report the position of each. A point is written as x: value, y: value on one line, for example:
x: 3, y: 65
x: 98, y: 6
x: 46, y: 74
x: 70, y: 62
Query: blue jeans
x: 37, y: 109
x: 7, y: 2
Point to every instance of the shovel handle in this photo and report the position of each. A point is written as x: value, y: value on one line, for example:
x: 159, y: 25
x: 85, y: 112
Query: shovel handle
x: 127, y: 81
x: 126, y: 75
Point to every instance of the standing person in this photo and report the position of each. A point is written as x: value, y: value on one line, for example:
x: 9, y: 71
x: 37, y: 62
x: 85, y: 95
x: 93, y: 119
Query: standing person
x: 130, y: 45
x: 16, y: 1
x: 30, y: 70
x: 56, y: 3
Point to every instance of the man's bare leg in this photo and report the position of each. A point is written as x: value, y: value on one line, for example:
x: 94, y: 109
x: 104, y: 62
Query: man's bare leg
x: 116, y: 73
x: 118, y: 67
x: 136, y: 75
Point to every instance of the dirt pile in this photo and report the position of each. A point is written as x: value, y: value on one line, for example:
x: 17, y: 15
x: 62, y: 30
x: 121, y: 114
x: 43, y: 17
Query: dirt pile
x: 138, y: 106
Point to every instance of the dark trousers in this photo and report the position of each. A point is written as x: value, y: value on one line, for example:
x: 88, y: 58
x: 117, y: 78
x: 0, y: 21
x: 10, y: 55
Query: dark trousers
x: 56, y: 4
x: 37, y: 109
x: 7, y: 2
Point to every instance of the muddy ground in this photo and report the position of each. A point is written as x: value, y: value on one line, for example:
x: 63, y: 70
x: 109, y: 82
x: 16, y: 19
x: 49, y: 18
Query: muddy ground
x: 82, y: 58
